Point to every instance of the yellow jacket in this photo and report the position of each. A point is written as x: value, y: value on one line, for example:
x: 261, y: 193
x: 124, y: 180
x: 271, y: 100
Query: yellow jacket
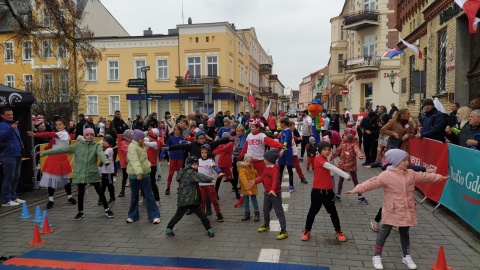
x: 244, y: 175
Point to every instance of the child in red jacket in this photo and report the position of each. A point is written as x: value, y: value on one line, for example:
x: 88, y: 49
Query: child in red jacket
x: 225, y: 152
x: 272, y: 197
x: 322, y: 192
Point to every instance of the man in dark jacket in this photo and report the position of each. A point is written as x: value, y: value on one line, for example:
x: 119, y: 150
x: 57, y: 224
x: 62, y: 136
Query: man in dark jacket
x: 189, y: 196
x: 370, y: 131
x: 433, y: 124
x: 453, y: 114
x: 10, y: 157
x: 219, y: 119
x: 79, y: 126
x: 469, y: 136
x: 118, y: 123
x: 392, y: 110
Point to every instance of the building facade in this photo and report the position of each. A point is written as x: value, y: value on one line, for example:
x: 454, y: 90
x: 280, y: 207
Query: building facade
x: 360, y: 36
x: 450, y: 68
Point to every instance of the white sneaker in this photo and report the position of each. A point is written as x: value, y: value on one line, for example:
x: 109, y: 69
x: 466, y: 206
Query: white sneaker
x: 19, y: 201
x: 11, y: 203
x: 377, y: 262
x: 407, y: 260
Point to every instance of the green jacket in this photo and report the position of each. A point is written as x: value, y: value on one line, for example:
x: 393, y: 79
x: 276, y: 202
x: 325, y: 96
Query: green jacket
x: 189, y: 192
x: 86, y: 154
x: 137, y: 160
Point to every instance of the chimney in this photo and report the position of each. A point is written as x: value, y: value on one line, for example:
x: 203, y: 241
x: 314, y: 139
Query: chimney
x: 189, y: 20
x: 148, y: 32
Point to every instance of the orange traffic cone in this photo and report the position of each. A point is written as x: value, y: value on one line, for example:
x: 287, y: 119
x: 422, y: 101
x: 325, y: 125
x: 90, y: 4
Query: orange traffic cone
x: 36, y: 237
x: 441, y: 263
x: 46, y: 226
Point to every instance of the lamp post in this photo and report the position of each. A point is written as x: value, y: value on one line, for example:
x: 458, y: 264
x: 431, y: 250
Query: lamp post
x: 144, y: 70
x: 392, y: 76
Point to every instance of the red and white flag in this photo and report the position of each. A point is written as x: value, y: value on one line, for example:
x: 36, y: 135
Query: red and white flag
x: 187, y: 74
x: 470, y: 7
x: 414, y: 48
x: 266, y: 114
x: 252, y: 99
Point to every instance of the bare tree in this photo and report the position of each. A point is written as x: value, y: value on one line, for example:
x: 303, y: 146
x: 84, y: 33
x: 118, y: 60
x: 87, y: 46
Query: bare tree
x: 45, y: 25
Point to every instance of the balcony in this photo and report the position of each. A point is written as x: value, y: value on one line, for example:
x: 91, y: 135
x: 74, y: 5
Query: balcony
x: 265, y: 69
x: 273, y: 78
x: 265, y: 91
x: 196, y: 82
x: 361, y: 20
x: 363, y: 64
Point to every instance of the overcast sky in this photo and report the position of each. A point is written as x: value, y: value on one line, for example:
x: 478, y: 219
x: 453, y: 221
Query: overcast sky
x: 295, y: 32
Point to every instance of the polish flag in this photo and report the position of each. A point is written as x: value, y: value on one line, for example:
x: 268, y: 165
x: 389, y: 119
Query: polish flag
x: 266, y: 114
x: 470, y: 7
x: 187, y: 74
x: 415, y: 49
x: 252, y: 99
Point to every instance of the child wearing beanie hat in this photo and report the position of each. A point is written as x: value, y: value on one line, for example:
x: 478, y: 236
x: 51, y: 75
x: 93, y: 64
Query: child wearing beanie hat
x: 322, y: 192
x: 122, y: 149
x: 348, y: 151
x: 273, y: 193
x: 138, y: 135
x: 397, y: 178
x: 311, y: 152
x: 86, y: 153
x: 108, y: 170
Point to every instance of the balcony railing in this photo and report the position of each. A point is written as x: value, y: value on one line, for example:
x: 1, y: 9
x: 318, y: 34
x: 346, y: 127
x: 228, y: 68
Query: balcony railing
x: 273, y: 78
x: 364, y: 62
x: 361, y: 20
x: 196, y: 81
x: 265, y: 91
x: 265, y: 69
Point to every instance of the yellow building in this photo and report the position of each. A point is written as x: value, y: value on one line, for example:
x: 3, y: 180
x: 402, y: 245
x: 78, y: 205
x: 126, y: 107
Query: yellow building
x: 214, y: 54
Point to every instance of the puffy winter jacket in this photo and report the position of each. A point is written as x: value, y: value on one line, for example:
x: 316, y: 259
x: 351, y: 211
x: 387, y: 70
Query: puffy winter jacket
x: 137, y: 159
x: 189, y: 192
x: 246, y: 174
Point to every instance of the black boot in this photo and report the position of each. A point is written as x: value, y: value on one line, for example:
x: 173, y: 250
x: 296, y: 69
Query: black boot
x: 257, y: 216
x: 246, y: 217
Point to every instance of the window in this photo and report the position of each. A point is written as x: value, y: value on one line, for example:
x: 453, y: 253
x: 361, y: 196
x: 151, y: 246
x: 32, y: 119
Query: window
x: 412, y: 69
x: 47, y: 48
x: 230, y: 63
x: 10, y: 80
x: 341, y: 33
x: 28, y: 82
x: 240, y: 47
x: 207, y: 39
x: 138, y: 68
x: 442, y: 62
x: 368, y: 45
x: 241, y: 79
x: 92, y: 105
x: 114, y: 104
x: 47, y: 19
x: 64, y: 83
x: 47, y: 82
x: 8, y: 52
x: 62, y: 49
x: 340, y: 63
x: 91, y: 71
x: 113, y: 70
x: 27, y: 50
x: 194, y: 66
x: 162, y: 67
x: 196, y: 39
x: 369, y: 5
x: 212, y: 65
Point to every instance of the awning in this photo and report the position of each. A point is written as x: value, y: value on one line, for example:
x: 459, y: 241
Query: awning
x: 183, y: 96
x: 11, y: 97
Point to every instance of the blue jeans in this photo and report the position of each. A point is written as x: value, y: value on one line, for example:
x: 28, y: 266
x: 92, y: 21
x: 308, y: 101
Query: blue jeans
x: 11, y: 174
x: 152, y: 208
x: 246, y: 202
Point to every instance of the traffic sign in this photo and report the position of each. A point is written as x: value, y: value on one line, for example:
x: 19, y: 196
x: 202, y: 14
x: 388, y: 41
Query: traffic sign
x: 136, y: 83
x: 345, y: 91
x: 146, y: 68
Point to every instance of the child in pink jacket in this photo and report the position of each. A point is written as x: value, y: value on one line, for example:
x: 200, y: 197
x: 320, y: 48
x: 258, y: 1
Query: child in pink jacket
x: 398, y: 185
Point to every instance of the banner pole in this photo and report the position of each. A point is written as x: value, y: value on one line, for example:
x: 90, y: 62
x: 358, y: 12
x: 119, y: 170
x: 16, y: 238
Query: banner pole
x: 423, y: 199
x: 435, y: 208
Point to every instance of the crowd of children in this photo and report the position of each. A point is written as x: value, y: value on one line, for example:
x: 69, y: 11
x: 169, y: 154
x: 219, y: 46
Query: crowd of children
x: 244, y: 160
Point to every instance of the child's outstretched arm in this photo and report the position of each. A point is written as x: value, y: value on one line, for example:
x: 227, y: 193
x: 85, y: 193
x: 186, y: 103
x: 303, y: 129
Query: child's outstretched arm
x: 337, y: 152
x: 371, y: 184
x: 429, y: 177
x: 358, y: 152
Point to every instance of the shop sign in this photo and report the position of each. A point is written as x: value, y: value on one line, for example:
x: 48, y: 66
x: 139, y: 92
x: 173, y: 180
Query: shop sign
x: 367, y: 76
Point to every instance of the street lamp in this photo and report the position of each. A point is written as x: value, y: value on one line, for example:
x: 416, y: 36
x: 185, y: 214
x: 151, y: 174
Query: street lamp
x: 392, y: 76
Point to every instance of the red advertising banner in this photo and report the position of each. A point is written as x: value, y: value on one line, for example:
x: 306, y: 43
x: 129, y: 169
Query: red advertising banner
x: 430, y: 154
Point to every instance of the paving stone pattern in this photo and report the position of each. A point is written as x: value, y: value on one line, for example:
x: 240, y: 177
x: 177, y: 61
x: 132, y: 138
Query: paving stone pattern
x: 239, y: 240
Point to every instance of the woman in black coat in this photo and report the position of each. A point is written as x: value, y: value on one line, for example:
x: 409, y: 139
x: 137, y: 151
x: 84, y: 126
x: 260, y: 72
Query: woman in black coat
x: 370, y: 131
x: 335, y: 121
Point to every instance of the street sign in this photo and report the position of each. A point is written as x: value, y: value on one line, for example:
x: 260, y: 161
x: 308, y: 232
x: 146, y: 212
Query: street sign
x: 154, y: 96
x: 146, y: 68
x: 345, y: 91
x: 136, y: 83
